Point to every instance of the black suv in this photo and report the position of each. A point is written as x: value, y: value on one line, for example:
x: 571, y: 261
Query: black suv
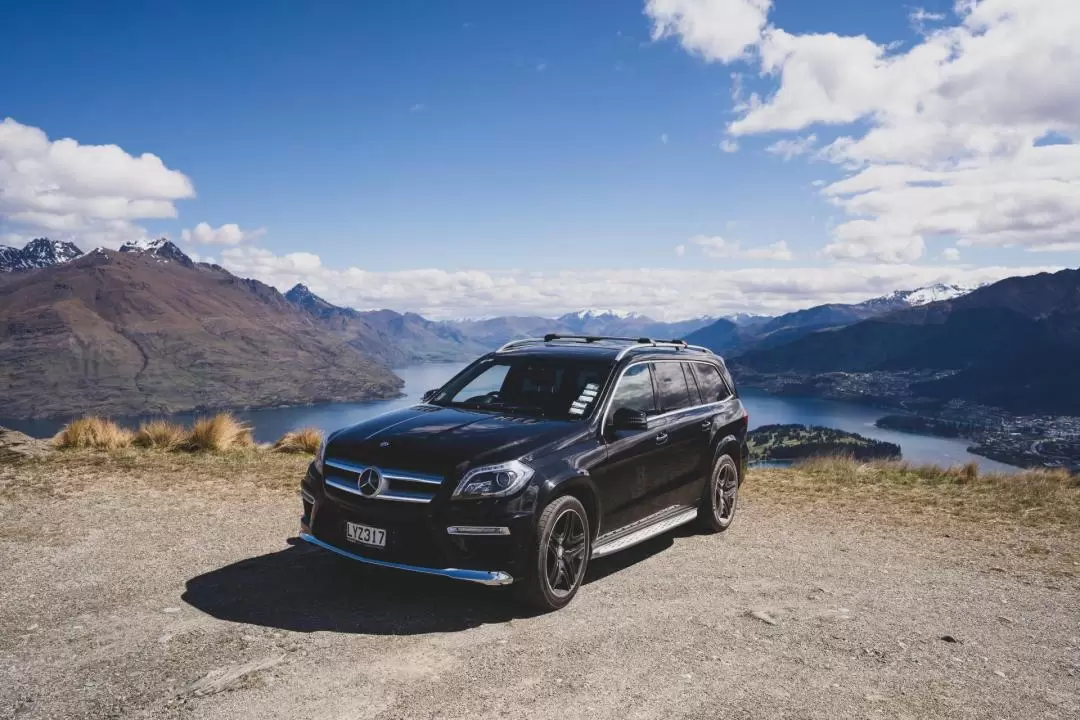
x: 534, y: 459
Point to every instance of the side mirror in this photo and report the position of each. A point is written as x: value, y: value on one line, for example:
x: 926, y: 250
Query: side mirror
x: 429, y: 394
x: 627, y: 419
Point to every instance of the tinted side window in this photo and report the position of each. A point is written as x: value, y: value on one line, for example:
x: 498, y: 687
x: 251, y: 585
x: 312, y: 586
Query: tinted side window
x: 635, y: 391
x: 711, y: 384
x: 696, y: 398
x: 671, y: 385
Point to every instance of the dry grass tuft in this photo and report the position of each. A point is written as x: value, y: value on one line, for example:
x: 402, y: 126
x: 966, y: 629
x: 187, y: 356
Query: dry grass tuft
x: 1029, y: 497
x: 160, y: 435
x: 305, y: 440
x: 219, y: 433
x: 93, y: 432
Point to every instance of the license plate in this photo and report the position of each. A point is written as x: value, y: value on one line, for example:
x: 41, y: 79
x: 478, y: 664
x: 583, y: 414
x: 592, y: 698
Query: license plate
x: 365, y: 535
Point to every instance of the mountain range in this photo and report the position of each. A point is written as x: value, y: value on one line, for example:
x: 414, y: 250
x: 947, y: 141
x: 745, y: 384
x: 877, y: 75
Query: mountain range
x: 736, y: 335
x: 148, y: 330
x: 1014, y: 344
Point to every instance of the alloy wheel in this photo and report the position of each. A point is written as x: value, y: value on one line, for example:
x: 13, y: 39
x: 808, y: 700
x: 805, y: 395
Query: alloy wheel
x: 725, y: 489
x: 564, y: 561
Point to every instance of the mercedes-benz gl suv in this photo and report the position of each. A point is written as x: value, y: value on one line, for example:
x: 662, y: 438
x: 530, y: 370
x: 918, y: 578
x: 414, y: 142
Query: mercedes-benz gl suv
x: 532, y: 460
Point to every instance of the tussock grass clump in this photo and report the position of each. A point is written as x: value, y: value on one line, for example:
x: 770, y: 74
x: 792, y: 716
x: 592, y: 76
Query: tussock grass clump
x: 219, y: 433
x: 94, y: 433
x: 1027, y: 496
x: 160, y: 435
x: 304, y: 440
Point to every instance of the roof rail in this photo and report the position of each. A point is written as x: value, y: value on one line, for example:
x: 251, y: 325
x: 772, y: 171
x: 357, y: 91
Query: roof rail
x: 635, y: 343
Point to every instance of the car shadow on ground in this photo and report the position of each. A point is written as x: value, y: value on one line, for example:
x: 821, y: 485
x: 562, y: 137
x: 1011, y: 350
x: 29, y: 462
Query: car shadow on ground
x: 305, y: 589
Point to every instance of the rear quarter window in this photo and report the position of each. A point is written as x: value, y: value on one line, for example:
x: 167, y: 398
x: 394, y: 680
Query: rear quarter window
x: 712, y: 384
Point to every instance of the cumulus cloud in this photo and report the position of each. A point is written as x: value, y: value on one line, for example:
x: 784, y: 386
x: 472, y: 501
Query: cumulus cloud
x: 719, y: 247
x: 93, y: 193
x: 950, y: 254
x: 940, y: 139
x: 729, y: 146
x: 720, y: 30
x: 229, y: 234
x: 667, y: 294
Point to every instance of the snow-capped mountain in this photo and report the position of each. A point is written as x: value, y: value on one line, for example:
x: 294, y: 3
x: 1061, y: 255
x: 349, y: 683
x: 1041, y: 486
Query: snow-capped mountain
x: 912, y: 298
x: 604, y: 322
x: 594, y: 314
x: 162, y: 249
x: 935, y: 293
x: 39, y: 253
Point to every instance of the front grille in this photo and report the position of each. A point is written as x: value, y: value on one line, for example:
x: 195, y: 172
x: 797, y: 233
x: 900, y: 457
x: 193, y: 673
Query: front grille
x: 398, y: 485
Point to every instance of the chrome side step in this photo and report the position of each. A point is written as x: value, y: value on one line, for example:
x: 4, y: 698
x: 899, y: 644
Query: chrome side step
x: 666, y: 521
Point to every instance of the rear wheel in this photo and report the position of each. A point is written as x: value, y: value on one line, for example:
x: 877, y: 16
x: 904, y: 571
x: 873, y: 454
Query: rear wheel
x: 558, y: 557
x: 717, y: 509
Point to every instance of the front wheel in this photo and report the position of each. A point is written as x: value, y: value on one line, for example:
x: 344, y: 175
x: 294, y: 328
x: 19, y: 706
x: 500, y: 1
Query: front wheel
x: 558, y: 556
x: 717, y: 508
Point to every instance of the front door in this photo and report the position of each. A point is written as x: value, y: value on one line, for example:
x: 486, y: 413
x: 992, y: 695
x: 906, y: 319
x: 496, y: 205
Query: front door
x: 625, y: 479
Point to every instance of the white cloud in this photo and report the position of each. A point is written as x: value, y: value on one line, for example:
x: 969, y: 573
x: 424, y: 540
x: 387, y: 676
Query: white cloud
x: 729, y: 146
x: 663, y: 293
x: 718, y: 247
x: 229, y: 234
x: 89, y: 193
x: 720, y: 30
x: 938, y: 138
x: 790, y: 148
x: 680, y: 250
x: 418, y: 107
x: 541, y: 66
x: 921, y: 17
x: 950, y: 254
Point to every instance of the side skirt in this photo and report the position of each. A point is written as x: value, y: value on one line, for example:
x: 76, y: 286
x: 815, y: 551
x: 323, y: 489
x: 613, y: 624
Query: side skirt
x: 644, y: 529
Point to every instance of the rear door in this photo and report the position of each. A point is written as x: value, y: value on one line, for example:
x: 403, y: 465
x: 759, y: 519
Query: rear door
x: 726, y: 413
x: 683, y: 424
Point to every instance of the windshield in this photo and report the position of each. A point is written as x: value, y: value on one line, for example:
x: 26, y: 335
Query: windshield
x: 561, y: 388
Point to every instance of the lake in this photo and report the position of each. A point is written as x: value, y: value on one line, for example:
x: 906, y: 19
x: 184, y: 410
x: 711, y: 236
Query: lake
x: 764, y: 409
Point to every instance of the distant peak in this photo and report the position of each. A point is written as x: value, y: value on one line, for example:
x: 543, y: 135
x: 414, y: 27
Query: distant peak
x: 38, y: 253
x: 161, y: 249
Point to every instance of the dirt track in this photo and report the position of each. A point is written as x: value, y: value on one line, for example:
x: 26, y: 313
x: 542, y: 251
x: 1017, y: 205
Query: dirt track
x: 122, y: 600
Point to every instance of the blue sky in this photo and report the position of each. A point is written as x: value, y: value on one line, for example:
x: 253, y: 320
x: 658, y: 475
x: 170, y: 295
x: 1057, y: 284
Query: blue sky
x: 486, y: 137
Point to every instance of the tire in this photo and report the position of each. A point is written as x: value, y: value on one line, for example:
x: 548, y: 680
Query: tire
x: 717, y: 509
x: 558, y: 556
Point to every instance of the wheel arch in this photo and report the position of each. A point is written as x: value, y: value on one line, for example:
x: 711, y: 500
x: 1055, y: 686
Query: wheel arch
x: 731, y: 445
x: 581, y: 487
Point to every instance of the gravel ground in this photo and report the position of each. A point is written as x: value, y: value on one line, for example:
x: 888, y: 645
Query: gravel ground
x: 126, y: 601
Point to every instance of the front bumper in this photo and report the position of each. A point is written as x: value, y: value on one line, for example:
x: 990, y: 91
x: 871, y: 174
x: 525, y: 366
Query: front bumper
x: 481, y: 542
x: 484, y: 577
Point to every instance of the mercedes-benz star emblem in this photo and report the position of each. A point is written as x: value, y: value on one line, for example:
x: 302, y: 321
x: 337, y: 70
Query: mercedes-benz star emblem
x: 371, y: 482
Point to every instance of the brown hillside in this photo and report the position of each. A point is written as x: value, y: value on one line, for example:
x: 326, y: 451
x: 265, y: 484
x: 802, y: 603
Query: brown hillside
x: 128, y: 333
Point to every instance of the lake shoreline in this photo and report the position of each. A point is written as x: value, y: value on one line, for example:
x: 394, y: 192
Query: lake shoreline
x: 765, y: 409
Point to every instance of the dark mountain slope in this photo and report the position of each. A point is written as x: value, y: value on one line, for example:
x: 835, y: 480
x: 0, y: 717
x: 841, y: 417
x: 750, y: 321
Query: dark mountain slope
x: 394, y: 338
x: 721, y: 336
x: 144, y: 332
x: 1015, y: 344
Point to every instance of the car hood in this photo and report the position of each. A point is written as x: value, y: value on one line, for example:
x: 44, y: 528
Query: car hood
x: 443, y: 440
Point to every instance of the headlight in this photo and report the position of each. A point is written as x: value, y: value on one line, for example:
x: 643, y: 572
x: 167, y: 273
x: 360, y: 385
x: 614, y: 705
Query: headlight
x: 494, y: 480
x: 320, y: 456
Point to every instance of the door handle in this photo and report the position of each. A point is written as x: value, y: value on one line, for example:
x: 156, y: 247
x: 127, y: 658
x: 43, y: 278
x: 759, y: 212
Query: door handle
x: 706, y: 425
x: 661, y: 438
